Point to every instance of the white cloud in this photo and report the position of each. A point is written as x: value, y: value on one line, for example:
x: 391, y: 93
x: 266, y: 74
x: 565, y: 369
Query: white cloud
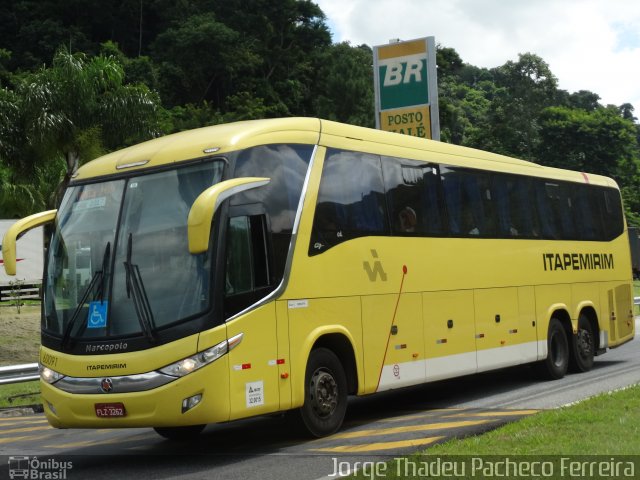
x: 589, y: 44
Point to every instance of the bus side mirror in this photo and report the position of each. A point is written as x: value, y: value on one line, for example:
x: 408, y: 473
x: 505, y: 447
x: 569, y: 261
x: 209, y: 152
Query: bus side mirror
x: 16, y: 231
x: 205, y: 206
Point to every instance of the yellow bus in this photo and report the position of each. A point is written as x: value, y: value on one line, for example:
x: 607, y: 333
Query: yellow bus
x: 274, y: 265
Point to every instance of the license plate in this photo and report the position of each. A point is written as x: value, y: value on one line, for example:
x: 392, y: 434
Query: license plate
x: 110, y: 410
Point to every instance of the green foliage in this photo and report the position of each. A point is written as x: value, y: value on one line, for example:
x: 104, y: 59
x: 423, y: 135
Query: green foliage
x: 525, y: 88
x: 591, y: 141
x: 343, y: 85
x: 187, y: 75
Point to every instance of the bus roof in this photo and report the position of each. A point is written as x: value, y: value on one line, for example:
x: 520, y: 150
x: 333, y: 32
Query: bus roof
x: 219, y: 139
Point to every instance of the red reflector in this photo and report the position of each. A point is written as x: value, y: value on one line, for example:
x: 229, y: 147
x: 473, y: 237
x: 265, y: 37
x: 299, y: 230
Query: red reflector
x: 246, y: 366
x: 280, y: 361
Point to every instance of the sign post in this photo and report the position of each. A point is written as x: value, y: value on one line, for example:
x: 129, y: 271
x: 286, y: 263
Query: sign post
x: 406, y: 88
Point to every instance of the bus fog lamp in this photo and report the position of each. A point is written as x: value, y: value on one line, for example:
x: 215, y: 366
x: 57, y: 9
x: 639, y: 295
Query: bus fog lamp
x: 189, y: 403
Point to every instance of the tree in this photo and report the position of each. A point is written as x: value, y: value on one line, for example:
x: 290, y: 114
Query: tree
x: 81, y: 106
x: 599, y: 141
x: 344, y: 88
x: 526, y: 87
x: 191, y: 76
x: 286, y: 38
x: 585, y: 99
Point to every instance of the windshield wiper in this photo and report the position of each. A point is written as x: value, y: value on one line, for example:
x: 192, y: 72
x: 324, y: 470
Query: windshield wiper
x: 135, y: 289
x: 98, y: 278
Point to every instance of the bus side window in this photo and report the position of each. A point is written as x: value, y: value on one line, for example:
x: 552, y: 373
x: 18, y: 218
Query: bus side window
x: 612, y: 212
x: 412, y: 197
x: 545, y: 209
x: 566, y: 210
x: 588, y: 221
x: 351, y: 200
x: 247, y: 262
x: 464, y: 199
x: 513, y: 212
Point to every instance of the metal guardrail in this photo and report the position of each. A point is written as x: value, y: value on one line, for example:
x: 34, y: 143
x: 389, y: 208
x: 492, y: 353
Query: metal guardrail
x: 19, y: 373
x: 636, y: 300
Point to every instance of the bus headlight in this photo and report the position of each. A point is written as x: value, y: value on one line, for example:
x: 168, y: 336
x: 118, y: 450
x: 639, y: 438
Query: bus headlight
x: 190, y: 364
x: 48, y: 375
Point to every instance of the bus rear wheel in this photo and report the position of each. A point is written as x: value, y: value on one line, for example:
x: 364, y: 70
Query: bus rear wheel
x: 556, y: 364
x: 325, y: 395
x: 583, y: 345
x: 180, y: 434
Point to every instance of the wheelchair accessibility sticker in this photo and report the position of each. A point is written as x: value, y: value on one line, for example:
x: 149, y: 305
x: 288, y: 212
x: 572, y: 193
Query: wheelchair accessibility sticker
x: 97, y: 314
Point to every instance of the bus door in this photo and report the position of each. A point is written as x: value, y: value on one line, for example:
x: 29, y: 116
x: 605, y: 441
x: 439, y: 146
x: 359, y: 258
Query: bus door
x: 254, y: 362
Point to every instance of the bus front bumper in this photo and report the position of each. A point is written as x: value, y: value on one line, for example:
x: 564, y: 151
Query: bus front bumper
x: 163, y: 406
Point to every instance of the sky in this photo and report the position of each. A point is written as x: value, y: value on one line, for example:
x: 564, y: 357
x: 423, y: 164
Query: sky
x: 589, y: 44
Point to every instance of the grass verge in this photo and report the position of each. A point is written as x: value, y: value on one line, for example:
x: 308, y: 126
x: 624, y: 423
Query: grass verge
x: 19, y: 334
x: 608, y: 424
x: 20, y: 394
x: 19, y: 343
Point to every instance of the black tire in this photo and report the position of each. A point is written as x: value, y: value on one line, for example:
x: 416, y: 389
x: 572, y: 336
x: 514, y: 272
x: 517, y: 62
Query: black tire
x: 325, y: 394
x: 583, y: 346
x: 556, y: 364
x: 180, y: 434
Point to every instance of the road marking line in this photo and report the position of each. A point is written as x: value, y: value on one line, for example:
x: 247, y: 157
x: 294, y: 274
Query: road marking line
x: 26, y: 429
x: 379, y: 446
x: 429, y: 413
x: 26, y: 438
x: 506, y: 413
x: 407, y: 428
x: 13, y: 424
x: 7, y: 420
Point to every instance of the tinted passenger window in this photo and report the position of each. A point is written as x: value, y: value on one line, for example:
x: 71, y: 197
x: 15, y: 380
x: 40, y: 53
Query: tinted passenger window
x: 588, y: 219
x: 612, y: 215
x: 466, y: 193
x: 516, y: 212
x: 413, y: 197
x: 350, y: 202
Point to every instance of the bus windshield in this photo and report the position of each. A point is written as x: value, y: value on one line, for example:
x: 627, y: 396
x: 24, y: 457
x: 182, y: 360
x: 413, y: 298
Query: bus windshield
x: 118, y: 263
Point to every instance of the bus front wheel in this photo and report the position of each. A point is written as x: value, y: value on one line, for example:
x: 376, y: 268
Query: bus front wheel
x: 556, y: 364
x: 325, y: 393
x: 180, y: 434
x: 583, y: 346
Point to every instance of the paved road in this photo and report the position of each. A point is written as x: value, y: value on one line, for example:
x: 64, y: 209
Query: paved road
x: 377, y: 428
